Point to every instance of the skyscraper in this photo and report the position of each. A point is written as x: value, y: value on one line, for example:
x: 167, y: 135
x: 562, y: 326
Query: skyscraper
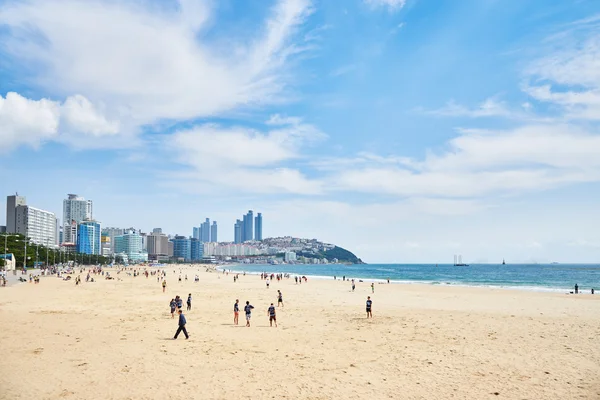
x: 237, y: 229
x: 158, y: 246
x: 196, y: 233
x: 11, y: 208
x: 75, y: 208
x: 247, y: 233
x: 258, y: 227
x: 205, y: 231
x: 213, y: 232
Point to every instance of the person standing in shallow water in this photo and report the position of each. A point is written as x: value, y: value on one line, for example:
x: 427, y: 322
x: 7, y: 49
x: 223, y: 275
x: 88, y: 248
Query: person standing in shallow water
x: 576, y: 288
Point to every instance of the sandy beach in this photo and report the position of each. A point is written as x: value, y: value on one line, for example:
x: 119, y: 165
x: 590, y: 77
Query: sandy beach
x: 112, y: 339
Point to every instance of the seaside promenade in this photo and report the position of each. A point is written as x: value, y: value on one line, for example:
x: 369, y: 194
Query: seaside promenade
x: 112, y: 339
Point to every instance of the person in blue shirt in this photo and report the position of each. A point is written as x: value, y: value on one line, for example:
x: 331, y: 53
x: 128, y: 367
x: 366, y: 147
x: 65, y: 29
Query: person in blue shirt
x: 369, y: 304
x: 272, y: 315
x: 181, y: 328
x: 179, y: 302
x: 248, y: 309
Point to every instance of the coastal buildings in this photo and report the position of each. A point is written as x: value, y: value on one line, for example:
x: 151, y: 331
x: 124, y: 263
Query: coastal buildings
x: 37, y: 224
x: 129, y: 245
x: 77, y: 209
x: 88, y: 237
x: 112, y: 233
x: 258, y: 227
x: 232, y: 249
x: 182, y: 248
x: 196, y: 250
x: 11, y: 208
x: 213, y: 232
x: 237, y: 229
x: 248, y: 230
x: 158, y: 246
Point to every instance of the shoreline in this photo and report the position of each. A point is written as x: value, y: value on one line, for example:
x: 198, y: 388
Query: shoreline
x: 525, y: 288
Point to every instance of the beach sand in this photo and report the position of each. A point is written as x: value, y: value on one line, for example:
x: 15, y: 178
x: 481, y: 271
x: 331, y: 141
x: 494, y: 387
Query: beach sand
x: 113, y: 340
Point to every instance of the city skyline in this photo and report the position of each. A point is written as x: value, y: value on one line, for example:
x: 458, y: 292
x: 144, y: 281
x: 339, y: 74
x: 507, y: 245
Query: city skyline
x: 407, y: 131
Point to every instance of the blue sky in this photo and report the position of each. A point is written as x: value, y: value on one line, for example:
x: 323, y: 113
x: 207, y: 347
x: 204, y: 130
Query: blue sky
x: 405, y: 131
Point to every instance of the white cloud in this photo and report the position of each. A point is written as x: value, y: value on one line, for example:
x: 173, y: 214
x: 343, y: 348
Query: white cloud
x: 80, y: 115
x: 32, y: 122
x: 480, y: 163
x: 391, y: 5
x: 489, y: 108
x: 146, y: 64
x: 569, y: 76
x: 27, y: 122
x: 246, y: 159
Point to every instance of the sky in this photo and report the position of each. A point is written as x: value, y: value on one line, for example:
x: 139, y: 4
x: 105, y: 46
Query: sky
x: 406, y: 131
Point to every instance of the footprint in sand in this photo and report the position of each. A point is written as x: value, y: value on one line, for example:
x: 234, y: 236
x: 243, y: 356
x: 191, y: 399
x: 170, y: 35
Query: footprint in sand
x: 39, y: 350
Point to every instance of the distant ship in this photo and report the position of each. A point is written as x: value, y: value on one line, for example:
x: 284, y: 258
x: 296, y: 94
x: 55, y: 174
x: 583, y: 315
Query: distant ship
x: 503, y: 262
x: 458, y: 261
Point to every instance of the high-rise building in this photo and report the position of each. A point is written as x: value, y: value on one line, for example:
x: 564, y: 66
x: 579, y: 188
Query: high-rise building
x: 112, y: 233
x: 182, y: 248
x: 213, y: 232
x: 237, y: 229
x: 197, y: 250
x: 38, y: 225
x: 158, y: 246
x: 157, y: 230
x: 130, y: 245
x: 78, y: 209
x: 205, y: 231
x: 88, y: 237
x: 196, y: 233
x: 247, y: 229
x: 11, y: 208
x: 258, y: 227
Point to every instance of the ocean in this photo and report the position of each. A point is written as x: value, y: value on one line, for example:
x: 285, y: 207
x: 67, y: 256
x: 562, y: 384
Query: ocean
x: 537, y: 277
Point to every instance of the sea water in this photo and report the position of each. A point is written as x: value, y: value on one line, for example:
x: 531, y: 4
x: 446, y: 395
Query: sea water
x: 539, y: 277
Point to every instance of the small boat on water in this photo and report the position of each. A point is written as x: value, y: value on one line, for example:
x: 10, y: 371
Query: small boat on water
x: 503, y: 262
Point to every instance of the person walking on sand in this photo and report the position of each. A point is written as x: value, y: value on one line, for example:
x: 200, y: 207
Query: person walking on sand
x: 181, y: 328
x: 353, y: 285
x: 372, y: 287
x: 236, y: 311
x: 164, y: 284
x: 369, y: 305
x: 279, y: 298
x: 248, y: 309
x: 268, y: 281
x: 189, y: 302
x: 173, y: 306
x: 272, y: 315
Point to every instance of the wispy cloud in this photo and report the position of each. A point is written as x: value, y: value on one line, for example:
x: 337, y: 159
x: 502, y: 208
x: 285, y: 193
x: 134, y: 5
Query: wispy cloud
x: 140, y: 65
x: 343, y: 70
x: 391, y: 5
